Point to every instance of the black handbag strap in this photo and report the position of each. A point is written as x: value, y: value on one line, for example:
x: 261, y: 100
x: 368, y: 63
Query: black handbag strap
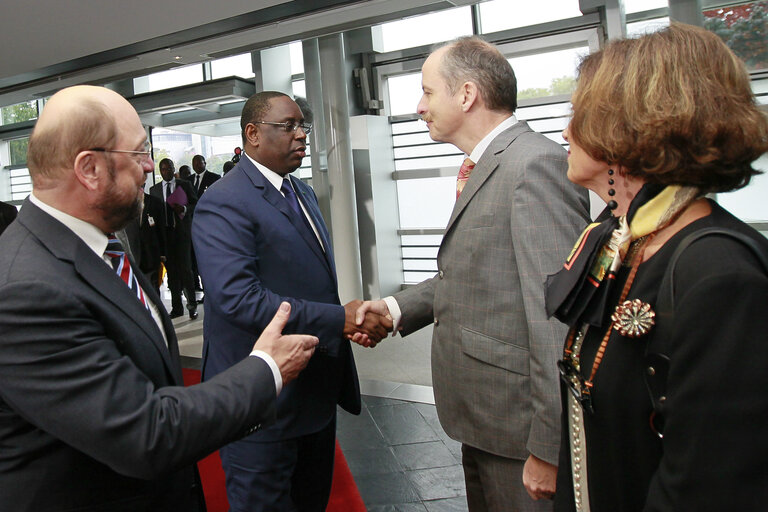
x: 656, y: 359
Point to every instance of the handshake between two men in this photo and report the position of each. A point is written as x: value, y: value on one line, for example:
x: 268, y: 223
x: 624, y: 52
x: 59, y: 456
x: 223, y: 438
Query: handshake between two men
x: 366, y: 323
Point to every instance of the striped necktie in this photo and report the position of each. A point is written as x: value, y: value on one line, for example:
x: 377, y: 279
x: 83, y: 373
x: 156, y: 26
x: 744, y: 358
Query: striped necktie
x: 464, y: 172
x: 123, y: 268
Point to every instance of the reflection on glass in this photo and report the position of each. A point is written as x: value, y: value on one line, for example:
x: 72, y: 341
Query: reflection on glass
x: 744, y: 28
x: 426, y: 29
x: 497, y: 15
x: 237, y: 65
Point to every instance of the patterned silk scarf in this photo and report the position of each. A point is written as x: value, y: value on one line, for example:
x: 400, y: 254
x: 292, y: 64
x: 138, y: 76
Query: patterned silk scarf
x: 579, y: 291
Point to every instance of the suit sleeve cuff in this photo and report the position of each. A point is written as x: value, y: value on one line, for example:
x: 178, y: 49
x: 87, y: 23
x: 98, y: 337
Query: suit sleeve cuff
x: 272, y: 366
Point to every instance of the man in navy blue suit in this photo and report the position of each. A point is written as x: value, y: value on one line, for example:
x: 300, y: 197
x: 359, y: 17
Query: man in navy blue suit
x: 260, y: 239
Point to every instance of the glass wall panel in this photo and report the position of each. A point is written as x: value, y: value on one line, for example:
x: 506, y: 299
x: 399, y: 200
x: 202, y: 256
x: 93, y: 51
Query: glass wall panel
x: 497, y: 15
x: 749, y: 203
x: 426, y: 29
x: 633, y: 6
x: 404, y: 93
x: 167, y: 79
x: 427, y: 202
x: 237, y: 65
x: 17, y: 149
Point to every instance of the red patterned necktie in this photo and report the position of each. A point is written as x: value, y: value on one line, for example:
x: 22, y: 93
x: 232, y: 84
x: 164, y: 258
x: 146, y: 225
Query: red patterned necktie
x: 123, y: 268
x: 464, y: 172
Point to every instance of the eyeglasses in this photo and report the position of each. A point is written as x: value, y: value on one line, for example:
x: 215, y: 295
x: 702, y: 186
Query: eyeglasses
x: 290, y: 126
x: 144, y: 154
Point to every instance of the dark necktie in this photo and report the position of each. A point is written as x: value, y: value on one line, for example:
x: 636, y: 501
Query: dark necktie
x: 197, y: 183
x: 169, y: 220
x: 123, y: 268
x: 293, y: 202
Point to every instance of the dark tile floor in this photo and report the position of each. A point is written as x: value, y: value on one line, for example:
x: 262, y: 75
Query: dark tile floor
x: 401, y: 459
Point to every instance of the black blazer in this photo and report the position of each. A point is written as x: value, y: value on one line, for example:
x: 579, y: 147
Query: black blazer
x: 182, y: 228
x: 8, y: 213
x: 92, y: 413
x: 207, y: 179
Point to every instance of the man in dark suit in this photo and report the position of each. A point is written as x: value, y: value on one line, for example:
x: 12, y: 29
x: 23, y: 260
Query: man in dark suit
x: 494, y: 352
x: 8, y: 213
x: 201, y: 180
x: 260, y: 240
x: 178, y: 238
x: 146, y: 238
x: 93, y: 414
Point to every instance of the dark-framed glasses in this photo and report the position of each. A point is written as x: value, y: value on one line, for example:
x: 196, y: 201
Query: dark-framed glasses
x: 143, y: 154
x: 290, y: 126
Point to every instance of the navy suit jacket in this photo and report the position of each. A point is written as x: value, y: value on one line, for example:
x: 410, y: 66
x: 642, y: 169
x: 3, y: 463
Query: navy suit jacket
x: 252, y: 254
x: 92, y: 413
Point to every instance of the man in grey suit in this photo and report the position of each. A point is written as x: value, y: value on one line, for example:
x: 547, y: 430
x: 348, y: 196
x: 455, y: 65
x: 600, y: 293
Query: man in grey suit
x: 93, y: 412
x: 494, y: 352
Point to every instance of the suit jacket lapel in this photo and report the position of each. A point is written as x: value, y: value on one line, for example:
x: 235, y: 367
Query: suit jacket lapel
x: 313, y: 210
x: 65, y: 245
x: 276, y: 199
x: 483, y: 170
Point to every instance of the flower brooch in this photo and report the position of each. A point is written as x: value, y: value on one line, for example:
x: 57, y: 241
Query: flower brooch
x: 633, y: 318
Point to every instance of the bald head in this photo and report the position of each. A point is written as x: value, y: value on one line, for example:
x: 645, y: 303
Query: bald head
x: 73, y: 120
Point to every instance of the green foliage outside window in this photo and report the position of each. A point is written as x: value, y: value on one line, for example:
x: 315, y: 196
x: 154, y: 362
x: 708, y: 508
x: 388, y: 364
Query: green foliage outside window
x: 19, y: 113
x: 18, y: 150
x: 744, y: 28
x: 562, y: 85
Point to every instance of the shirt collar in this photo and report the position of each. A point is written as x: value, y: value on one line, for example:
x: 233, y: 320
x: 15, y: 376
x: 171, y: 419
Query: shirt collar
x: 88, y: 233
x: 477, y: 153
x: 275, y: 179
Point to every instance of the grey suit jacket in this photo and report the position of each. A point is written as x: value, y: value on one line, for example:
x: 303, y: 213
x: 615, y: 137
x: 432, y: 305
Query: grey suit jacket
x: 494, y: 352
x: 92, y: 412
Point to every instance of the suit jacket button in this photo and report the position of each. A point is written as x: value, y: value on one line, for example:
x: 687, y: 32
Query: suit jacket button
x: 440, y: 274
x: 437, y: 322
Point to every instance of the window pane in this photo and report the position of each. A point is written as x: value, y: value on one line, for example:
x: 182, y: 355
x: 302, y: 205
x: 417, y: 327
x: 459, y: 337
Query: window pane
x: 426, y: 203
x: 426, y: 29
x: 749, y: 203
x: 497, y: 15
x: 167, y: 79
x: 641, y: 28
x: 237, y: 65
x: 547, y: 74
x: 18, y: 150
x: 19, y: 113
x: 297, y: 58
x: 404, y: 93
x: 744, y: 28
x: 631, y: 6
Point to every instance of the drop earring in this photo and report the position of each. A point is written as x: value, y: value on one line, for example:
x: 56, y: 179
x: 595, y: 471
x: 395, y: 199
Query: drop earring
x: 612, y: 204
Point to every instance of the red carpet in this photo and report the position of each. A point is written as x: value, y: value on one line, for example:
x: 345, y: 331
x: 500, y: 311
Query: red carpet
x: 344, y: 494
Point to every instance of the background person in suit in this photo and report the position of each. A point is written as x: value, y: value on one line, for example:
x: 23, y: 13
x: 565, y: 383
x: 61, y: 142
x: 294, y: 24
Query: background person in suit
x: 93, y: 415
x: 201, y: 180
x: 8, y: 213
x: 257, y: 248
x: 146, y: 238
x: 494, y: 352
x: 178, y: 239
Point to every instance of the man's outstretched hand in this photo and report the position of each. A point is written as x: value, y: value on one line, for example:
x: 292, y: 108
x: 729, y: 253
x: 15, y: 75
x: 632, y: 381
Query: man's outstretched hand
x: 291, y: 352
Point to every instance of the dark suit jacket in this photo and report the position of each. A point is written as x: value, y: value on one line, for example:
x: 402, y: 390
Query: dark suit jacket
x: 207, y: 179
x: 252, y: 254
x: 92, y: 412
x: 8, y: 212
x: 181, y: 230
